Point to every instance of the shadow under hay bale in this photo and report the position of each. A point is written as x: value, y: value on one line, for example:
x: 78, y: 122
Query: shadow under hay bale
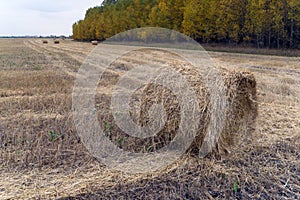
x: 240, y: 117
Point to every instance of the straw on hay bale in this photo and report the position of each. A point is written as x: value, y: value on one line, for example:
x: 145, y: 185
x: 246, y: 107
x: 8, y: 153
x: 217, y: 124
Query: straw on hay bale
x: 240, y: 90
x: 94, y: 42
x: 242, y: 110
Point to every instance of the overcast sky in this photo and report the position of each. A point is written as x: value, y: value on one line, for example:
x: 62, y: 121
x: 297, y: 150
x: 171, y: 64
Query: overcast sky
x: 41, y: 17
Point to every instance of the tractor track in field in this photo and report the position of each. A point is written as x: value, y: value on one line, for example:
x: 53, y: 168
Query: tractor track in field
x: 56, y: 58
x: 285, y: 71
x: 79, y: 54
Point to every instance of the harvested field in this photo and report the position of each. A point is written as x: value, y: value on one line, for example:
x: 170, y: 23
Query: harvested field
x: 41, y: 156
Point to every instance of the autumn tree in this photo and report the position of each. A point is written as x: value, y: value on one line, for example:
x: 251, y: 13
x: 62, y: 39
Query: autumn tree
x: 264, y: 23
x: 293, y: 24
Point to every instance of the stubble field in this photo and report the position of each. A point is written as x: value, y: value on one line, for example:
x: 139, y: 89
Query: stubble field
x: 41, y: 156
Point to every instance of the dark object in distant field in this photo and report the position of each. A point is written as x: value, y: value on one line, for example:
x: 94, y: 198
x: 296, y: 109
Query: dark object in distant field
x: 45, y: 42
x: 56, y: 42
x: 94, y: 42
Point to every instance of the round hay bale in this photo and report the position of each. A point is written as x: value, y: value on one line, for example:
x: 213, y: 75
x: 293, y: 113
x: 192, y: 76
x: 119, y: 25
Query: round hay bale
x: 242, y: 109
x: 45, y: 42
x: 240, y: 89
x: 56, y: 41
x: 94, y: 42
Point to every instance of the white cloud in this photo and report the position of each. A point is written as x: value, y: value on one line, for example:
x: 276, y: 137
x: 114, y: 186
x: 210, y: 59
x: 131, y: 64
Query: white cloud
x: 40, y: 17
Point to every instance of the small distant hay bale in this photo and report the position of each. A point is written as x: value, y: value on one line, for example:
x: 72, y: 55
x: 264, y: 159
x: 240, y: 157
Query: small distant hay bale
x: 240, y: 90
x: 94, y: 42
x: 45, y: 42
x: 56, y: 41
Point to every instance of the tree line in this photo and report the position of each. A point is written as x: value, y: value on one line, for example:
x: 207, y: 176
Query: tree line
x: 263, y: 23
